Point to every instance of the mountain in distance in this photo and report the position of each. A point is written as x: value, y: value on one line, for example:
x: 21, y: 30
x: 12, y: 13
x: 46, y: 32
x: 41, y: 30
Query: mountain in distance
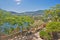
x: 32, y: 13
x: 39, y: 12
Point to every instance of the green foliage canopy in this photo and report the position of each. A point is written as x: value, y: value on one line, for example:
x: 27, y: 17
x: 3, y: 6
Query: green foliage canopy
x: 7, y: 17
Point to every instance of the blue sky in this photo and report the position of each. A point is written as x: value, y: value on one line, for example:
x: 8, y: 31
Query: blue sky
x: 27, y: 5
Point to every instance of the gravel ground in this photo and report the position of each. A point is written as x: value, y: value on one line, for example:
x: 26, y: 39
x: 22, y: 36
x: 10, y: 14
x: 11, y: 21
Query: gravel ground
x: 28, y: 37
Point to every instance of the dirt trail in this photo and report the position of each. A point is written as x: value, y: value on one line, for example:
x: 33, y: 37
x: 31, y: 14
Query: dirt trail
x: 37, y: 36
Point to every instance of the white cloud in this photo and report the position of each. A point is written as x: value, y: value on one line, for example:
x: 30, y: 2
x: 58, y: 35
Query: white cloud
x: 18, y: 2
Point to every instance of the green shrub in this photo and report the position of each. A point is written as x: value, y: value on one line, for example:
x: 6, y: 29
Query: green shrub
x: 43, y: 34
x: 50, y: 28
x: 53, y: 27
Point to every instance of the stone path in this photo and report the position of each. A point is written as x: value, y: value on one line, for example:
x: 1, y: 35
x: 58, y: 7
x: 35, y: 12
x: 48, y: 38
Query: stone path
x: 37, y: 36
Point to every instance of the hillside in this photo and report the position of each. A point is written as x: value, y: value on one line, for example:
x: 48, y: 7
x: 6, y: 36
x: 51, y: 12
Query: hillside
x: 31, y: 13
